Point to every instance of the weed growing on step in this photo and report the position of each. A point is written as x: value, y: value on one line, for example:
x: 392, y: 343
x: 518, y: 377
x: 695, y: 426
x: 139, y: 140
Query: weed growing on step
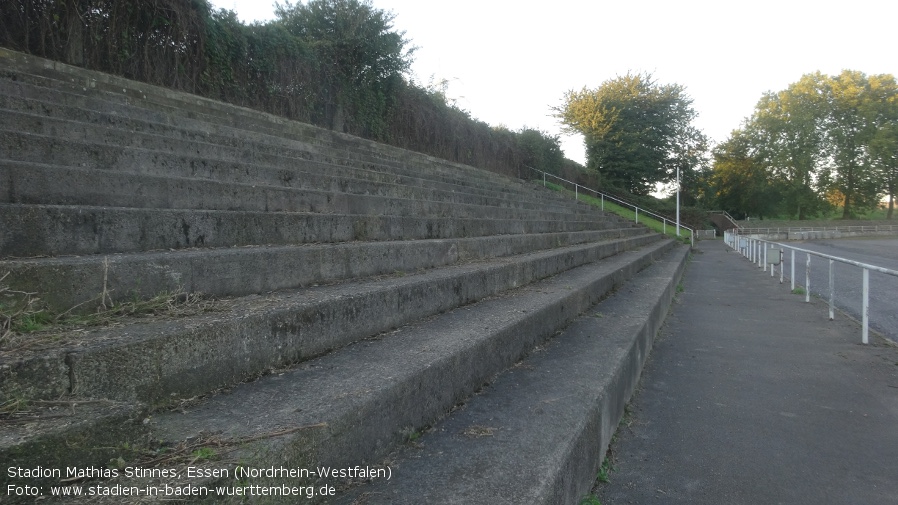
x: 10, y: 407
x: 798, y: 291
x: 590, y: 500
x: 208, y: 447
x: 626, y: 419
x: 19, y: 312
x: 36, y: 321
x: 605, y: 470
x: 203, y: 454
x: 25, y: 323
x: 176, y: 303
x: 413, y: 436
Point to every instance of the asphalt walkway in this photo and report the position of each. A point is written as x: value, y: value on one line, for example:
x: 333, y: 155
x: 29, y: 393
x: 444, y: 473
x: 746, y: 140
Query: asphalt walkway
x: 752, y: 396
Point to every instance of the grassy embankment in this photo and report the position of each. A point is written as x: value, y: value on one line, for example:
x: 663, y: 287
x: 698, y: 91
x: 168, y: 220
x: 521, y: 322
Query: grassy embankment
x: 609, y: 206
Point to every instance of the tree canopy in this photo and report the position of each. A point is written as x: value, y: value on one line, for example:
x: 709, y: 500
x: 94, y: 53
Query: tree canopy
x: 823, y: 141
x: 637, y: 132
x: 358, y: 56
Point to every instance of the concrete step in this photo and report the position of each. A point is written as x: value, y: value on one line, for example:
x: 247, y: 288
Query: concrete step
x: 343, y: 148
x: 352, y: 406
x: 30, y: 159
x: 161, y: 361
x: 280, y: 125
x: 538, y: 432
x: 42, y: 184
x: 195, y: 143
x: 64, y: 283
x: 35, y: 107
x: 52, y: 230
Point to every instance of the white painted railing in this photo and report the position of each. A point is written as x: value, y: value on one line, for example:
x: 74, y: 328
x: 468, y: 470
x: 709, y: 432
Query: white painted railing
x: 757, y: 250
x: 603, y: 196
x: 847, y: 229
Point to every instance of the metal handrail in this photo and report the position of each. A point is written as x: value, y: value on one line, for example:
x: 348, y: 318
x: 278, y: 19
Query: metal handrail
x: 850, y: 228
x: 727, y: 215
x: 751, y: 247
x: 603, y: 196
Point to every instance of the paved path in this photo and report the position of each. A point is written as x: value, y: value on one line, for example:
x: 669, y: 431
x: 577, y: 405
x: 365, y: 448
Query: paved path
x: 752, y: 396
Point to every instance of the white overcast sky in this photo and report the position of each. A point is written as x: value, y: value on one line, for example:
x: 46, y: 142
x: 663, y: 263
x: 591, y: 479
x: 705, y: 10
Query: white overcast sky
x: 509, y: 62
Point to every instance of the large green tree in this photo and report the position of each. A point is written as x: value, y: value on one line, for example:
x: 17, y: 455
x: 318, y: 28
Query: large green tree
x: 828, y: 139
x: 785, y: 136
x: 883, y: 147
x: 742, y: 185
x: 850, y: 125
x: 884, y: 152
x: 637, y: 132
x: 359, y: 55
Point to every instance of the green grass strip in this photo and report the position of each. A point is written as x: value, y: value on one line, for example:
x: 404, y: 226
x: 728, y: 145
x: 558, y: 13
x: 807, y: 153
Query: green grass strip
x: 609, y: 206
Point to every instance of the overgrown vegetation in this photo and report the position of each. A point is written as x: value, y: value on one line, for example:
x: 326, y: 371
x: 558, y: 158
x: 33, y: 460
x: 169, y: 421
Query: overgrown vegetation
x: 338, y: 64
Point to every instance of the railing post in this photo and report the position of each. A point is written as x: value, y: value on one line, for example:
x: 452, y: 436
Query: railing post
x: 576, y: 192
x: 637, y: 214
x: 782, y: 266
x: 792, y: 268
x: 807, y: 280
x: 832, y: 291
x: 544, y: 179
x: 603, y: 202
x: 765, y: 256
x: 865, y: 308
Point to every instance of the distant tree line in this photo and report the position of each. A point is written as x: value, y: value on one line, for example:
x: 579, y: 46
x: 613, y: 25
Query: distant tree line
x: 338, y: 64
x: 825, y: 142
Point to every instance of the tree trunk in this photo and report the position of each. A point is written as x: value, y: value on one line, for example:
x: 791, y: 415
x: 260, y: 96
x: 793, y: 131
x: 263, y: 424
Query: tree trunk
x: 846, y: 207
x: 74, y: 45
